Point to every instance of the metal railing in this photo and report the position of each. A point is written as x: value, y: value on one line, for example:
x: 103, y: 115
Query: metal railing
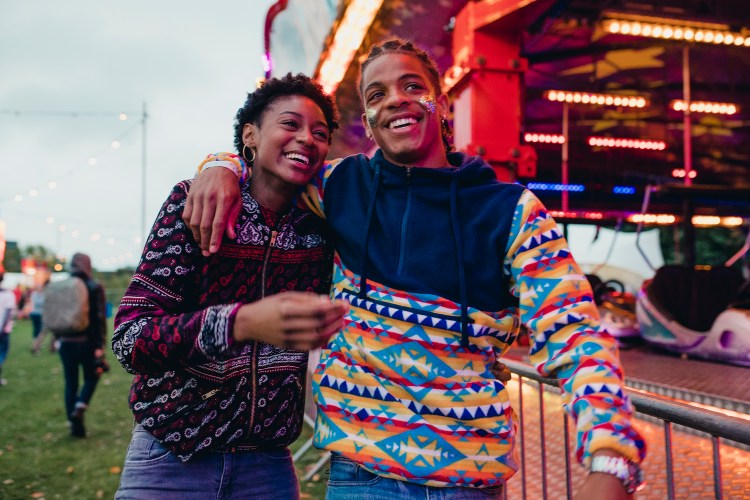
x: 670, y: 412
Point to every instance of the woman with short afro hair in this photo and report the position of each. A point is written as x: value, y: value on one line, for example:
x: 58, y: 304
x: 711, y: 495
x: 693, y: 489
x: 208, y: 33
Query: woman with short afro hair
x: 218, y: 352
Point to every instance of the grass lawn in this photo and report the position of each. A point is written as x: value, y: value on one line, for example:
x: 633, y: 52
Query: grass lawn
x: 39, y: 459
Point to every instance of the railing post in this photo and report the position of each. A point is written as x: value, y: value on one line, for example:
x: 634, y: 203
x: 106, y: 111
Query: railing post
x: 542, y: 438
x: 717, y: 467
x: 566, y: 440
x: 523, y: 443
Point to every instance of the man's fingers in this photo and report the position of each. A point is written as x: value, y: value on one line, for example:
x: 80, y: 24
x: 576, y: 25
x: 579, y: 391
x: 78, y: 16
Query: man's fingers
x: 234, y: 212
x: 217, y: 228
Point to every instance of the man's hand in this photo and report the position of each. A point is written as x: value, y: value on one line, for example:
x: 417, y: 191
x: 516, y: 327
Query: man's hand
x: 501, y: 372
x: 293, y: 320
x: 212, y: 206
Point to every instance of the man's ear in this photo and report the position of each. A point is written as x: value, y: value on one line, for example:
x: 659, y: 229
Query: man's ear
x: 250, y: 135
x: 368, y: 130
x: 444, y: 104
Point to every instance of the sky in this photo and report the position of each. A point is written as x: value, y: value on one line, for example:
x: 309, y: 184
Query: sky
x: 69, y: 69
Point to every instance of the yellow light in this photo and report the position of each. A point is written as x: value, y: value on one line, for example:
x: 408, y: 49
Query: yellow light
x: 625, y: 143
x: 652, y: 218
x: 673, y: 29
x: 732, y: 221
x: 706, y: 220
x: 544, y: 138
x: 721, y: 108
x: 601, y: 99
x: 348, y: 38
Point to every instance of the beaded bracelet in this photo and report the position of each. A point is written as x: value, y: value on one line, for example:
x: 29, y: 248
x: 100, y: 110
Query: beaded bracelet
x: 230, y: 161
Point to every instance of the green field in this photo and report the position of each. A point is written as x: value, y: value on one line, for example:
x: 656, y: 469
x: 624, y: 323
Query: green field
x: 39, y: 459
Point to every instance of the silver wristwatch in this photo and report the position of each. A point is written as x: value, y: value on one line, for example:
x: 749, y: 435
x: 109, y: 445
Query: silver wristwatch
x: 623, y: 469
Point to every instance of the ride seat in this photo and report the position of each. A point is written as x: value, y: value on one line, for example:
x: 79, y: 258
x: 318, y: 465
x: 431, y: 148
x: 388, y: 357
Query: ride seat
x: 694, y: 297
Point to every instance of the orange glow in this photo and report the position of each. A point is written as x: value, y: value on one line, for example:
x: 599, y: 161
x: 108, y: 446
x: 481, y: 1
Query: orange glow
x: 348, y: 38
x: 652, y: 218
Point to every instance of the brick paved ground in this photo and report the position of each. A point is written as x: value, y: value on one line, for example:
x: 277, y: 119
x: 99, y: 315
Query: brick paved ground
x: 692, y: 455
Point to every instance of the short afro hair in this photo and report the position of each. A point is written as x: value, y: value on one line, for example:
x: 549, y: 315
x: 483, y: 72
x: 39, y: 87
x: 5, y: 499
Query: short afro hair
x: 290, y: 85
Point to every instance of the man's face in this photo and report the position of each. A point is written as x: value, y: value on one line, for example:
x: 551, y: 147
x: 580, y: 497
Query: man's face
x: 402, y: 112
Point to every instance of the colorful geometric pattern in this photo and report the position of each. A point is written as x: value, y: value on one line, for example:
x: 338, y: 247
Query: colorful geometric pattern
x: 398, y: 395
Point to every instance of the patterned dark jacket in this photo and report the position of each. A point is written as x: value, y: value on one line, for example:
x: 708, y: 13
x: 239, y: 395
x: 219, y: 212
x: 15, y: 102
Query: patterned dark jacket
x: 195, y: 388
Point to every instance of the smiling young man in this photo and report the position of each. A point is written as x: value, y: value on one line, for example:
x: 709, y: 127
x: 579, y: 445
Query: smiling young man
x: 441, y: 263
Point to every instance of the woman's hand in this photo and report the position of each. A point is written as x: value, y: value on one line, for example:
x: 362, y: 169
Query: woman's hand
x: 293, y: 320
x: 212, y: 206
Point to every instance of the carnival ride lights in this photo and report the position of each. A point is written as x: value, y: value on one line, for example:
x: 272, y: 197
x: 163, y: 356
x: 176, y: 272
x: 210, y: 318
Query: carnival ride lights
x: 349, y: 35
x: 545, y: 186
x: 612, y: 142
x: 671, y: 30
x: 716, y: 108
x: 544, y: 138
x: 623, y: 190
x: 680, y: 173
x: 627, y: 101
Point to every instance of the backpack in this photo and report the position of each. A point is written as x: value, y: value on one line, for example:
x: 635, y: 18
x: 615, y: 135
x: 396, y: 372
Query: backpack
x: 66, y: 307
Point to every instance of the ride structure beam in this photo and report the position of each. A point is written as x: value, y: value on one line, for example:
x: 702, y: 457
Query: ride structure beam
x: 485, y: 83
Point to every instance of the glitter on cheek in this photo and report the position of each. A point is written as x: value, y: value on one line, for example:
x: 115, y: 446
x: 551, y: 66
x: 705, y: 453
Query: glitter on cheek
x: 370, y: 114
x: 428, y: 103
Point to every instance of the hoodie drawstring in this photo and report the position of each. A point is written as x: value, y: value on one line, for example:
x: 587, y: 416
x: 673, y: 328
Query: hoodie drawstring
x: 461, y: 271
x: 370, y: 214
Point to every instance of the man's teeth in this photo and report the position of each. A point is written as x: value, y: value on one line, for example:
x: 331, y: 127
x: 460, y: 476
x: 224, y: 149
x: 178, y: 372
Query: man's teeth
x: 298, y: 157
x: 402, y: 122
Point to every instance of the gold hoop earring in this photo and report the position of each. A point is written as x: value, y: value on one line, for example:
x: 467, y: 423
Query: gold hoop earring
x: 252, y: 150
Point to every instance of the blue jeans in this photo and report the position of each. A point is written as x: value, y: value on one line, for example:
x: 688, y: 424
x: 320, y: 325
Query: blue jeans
x: 349, y: 481
x: 36, y: 324
x: 151, y: 471
x: 73, y: 356
x: 4, y: 346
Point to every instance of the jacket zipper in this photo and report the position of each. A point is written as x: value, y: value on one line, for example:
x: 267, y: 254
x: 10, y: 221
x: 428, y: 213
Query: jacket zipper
x: 253, y: 370
x: 404, y: 220
x: 271, y: 243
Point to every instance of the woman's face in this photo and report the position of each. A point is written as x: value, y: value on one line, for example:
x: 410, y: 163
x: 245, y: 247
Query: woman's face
x: 291, y: 142
x: 402, y: 112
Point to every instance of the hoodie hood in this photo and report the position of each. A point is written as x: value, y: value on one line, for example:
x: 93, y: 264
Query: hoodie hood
x: 81, y: 263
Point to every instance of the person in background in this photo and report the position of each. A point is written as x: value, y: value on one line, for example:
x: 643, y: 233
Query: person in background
x: 35, y: 314
x: 7, y: 312
x: 83, y: 351
x: 441, y: 263
x: 218, y: 344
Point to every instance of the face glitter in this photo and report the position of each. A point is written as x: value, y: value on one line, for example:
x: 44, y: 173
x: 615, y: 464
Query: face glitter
x: 370, y: 114
x: 428, y: 103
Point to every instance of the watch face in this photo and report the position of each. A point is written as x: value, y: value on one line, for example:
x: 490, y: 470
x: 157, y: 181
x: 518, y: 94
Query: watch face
x: 636, y: 482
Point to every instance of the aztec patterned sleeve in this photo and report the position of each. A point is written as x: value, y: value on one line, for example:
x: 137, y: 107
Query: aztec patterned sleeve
x: 159, y: 326
x: 568, y: 342
x: 312, y: 197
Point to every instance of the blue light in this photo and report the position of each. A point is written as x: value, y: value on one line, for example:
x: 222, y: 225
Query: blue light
x: 544, y: 186
x: 623, y: 190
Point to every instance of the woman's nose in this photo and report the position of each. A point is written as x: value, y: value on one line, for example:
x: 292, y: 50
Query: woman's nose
x: 304, y: 136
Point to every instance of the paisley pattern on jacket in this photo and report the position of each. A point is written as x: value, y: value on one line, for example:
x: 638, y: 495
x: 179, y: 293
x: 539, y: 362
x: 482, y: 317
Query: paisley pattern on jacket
x: 195, y: 389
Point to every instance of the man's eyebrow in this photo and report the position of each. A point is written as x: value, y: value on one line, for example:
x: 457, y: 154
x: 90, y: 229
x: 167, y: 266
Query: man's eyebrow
x: 405, y: 76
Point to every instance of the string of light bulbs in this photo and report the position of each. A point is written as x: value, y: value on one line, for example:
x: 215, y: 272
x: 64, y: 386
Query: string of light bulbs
x: 71, y: 229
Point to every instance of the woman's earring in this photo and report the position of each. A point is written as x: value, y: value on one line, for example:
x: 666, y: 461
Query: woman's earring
x: 250, y: 160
